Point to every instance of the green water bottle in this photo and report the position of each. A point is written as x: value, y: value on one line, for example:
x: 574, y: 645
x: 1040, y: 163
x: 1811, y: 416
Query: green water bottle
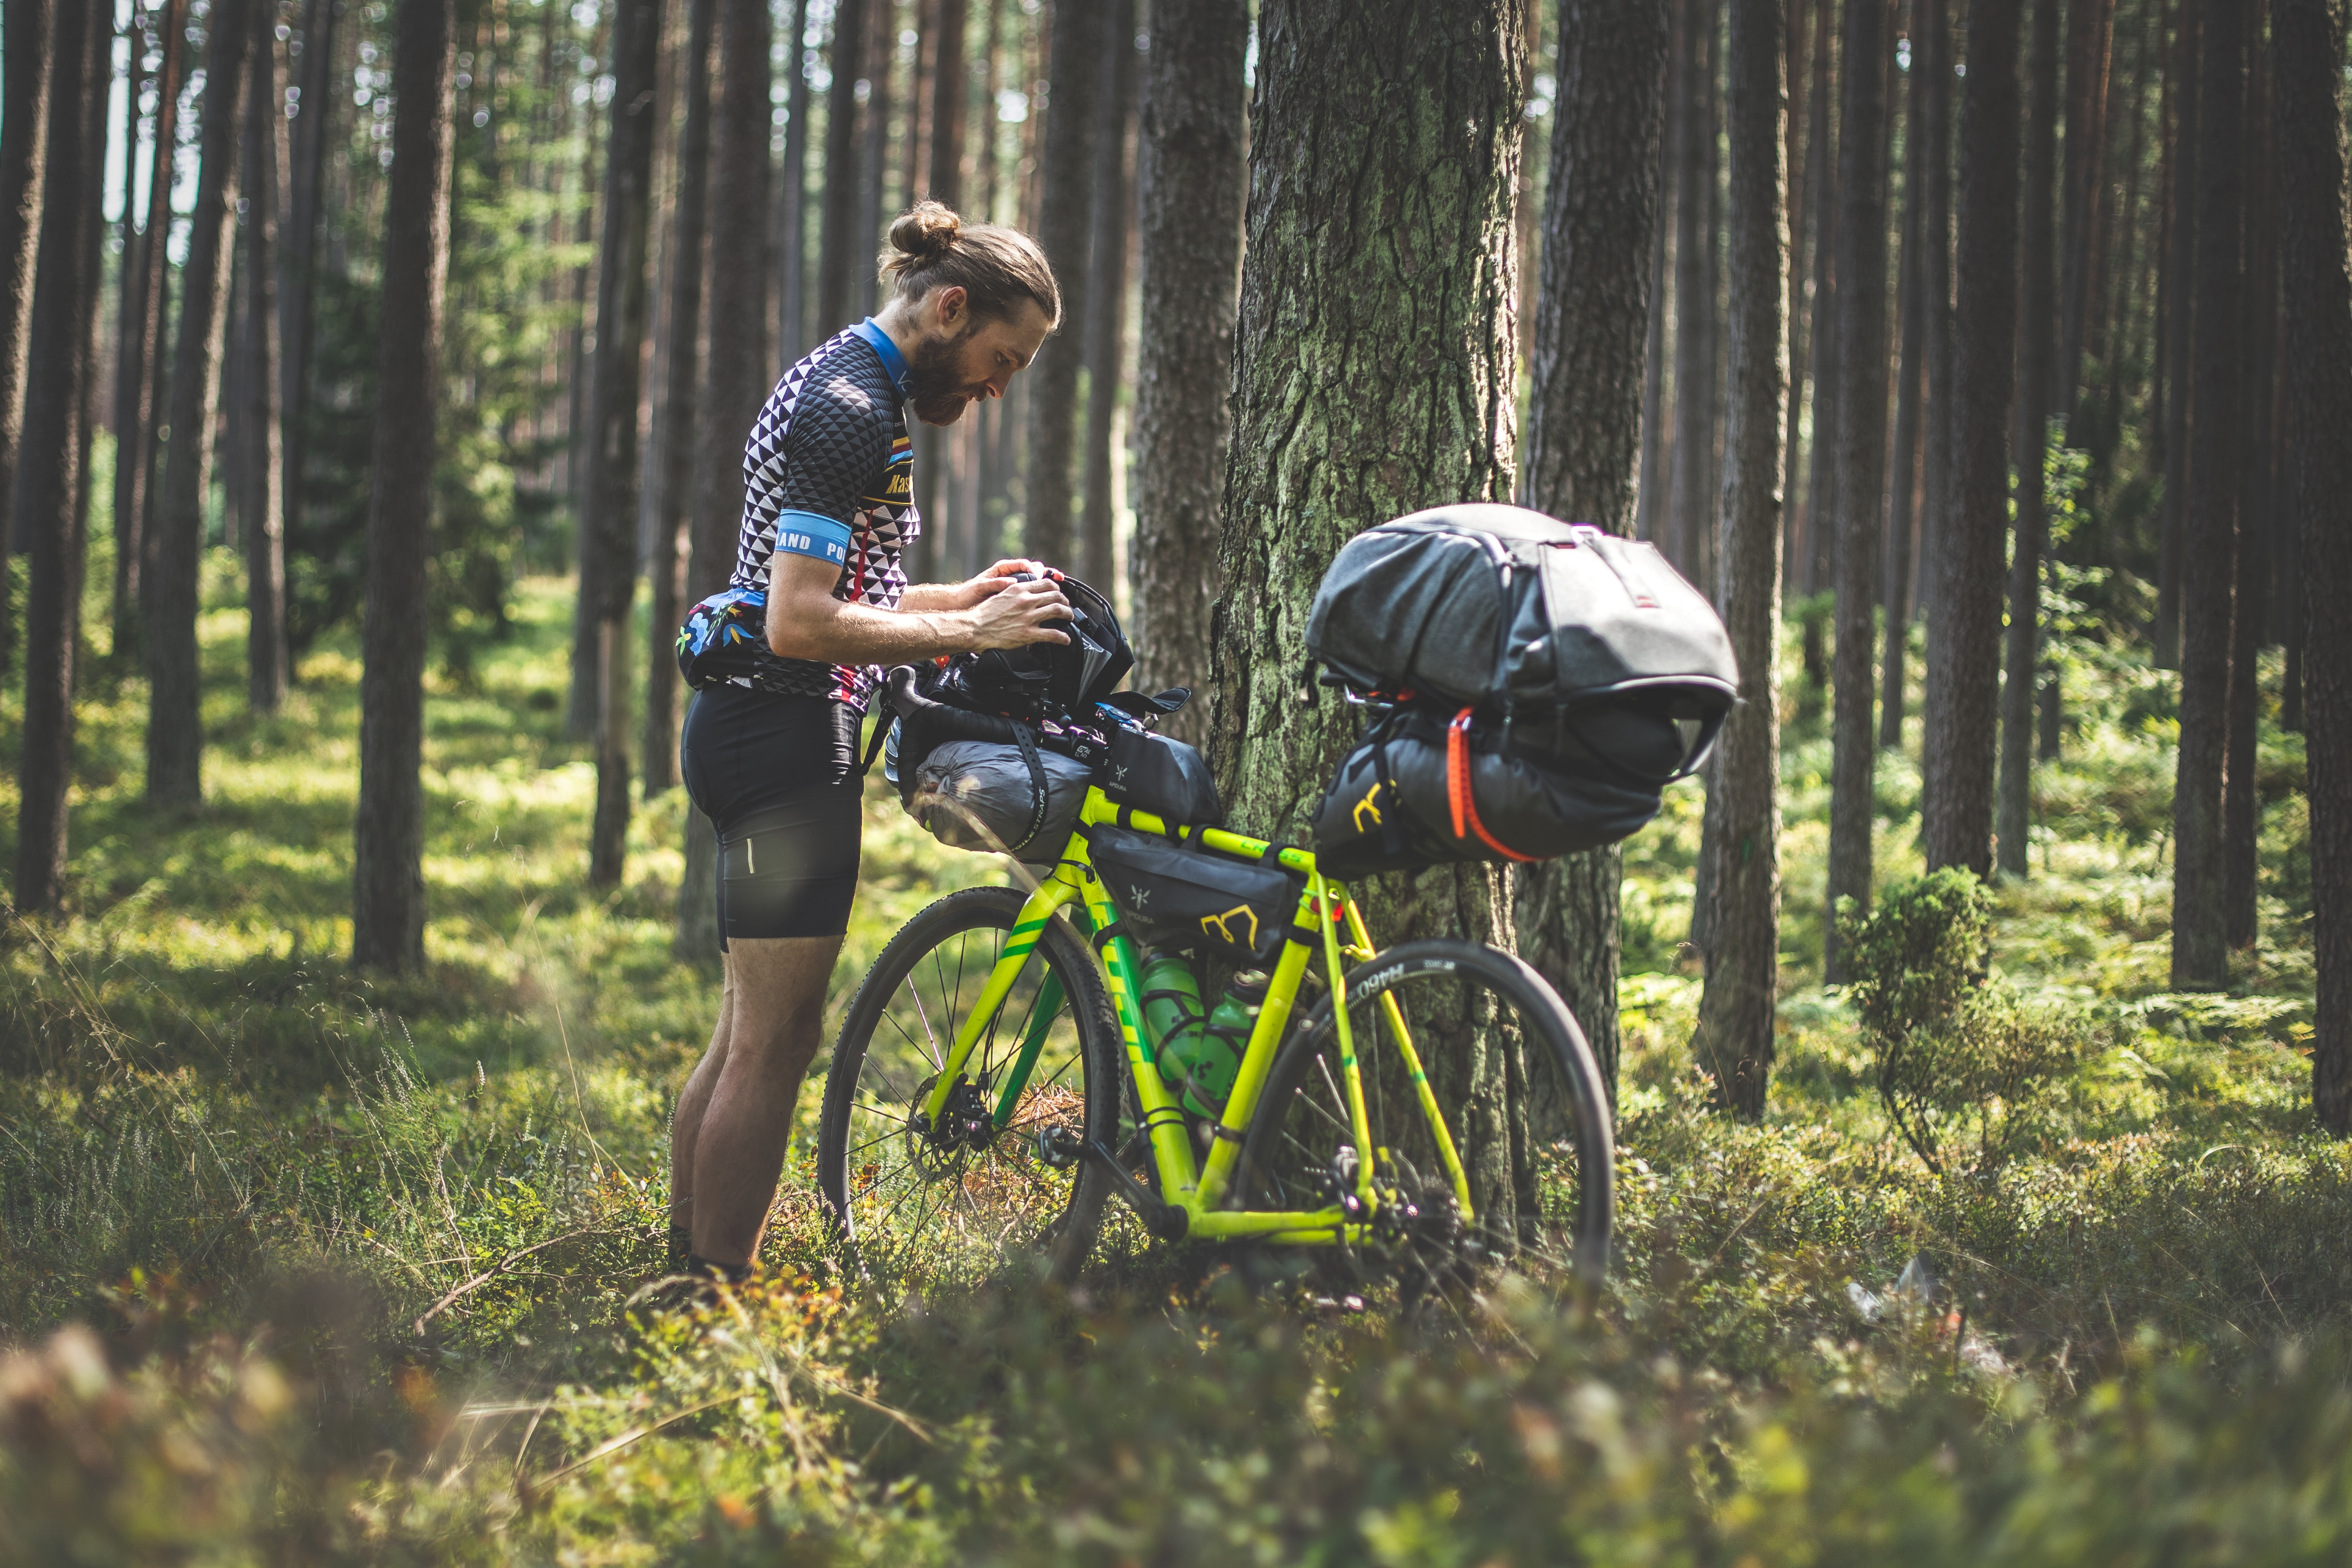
x: 1173, y: 1014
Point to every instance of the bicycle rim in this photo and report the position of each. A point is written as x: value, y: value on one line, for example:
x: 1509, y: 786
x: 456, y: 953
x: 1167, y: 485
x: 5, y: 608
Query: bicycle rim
x: 915, y: 1208
x: 1520, y: 1098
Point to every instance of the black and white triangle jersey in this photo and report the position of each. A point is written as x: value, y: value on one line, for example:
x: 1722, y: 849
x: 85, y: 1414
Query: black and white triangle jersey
x: 829, y: 473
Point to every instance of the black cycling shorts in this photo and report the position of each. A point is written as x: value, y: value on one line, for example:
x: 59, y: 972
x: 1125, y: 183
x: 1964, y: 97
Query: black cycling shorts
x: 778, y: 777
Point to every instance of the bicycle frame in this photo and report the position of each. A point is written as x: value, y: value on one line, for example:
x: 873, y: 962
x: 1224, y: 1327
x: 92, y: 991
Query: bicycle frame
x: 1201, y: 1189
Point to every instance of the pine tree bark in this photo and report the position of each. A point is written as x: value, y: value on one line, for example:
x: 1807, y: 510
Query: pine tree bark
x: 2037, y: 376
x: 1964, y: 644
x: 2180, y: 329
x: 46, y: 486
x: 2090, y: 25
x: 2241, y: 809
x: 174, y: 729
x: 948, y: 111
x: 874, y: 154
x: 791, y: 277
x: 1861, y: 447
x: 2209, y: 542
x: 299, y: 256
x: 24, y: 158
x: 1911, y: 312
x: 1691, y: 506
x: 937, y: 453
x: 1796, y: 42
x: 674, y: 463
x: 1815, y: 572
x: 1736, y: 1010
x: 2307, y: 40
x: 1067, y: 155
x: 845, y: 249
x: 260, y: 468
x: 608, y: 510
x: 1375, y: 321
x: 1593, y: 303
x: 1932, y: 58
x: 1191, y: 178
x: 1106, y: 325
x: 388, y: 862
x: 737, y: 376
x: 140, y: 334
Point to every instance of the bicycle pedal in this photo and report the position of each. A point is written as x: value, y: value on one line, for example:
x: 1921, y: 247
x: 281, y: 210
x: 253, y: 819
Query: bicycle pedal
x: 1060, y: 1148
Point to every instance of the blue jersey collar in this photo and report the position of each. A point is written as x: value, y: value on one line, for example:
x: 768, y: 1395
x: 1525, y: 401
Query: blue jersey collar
x: 892, y: 359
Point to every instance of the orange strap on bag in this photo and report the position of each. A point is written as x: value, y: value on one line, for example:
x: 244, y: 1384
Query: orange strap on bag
x: 1458, y: 793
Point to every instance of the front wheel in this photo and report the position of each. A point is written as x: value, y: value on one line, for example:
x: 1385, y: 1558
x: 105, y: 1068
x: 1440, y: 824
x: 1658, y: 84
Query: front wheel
x: 1515, y: 1084
x: 920, y: 1206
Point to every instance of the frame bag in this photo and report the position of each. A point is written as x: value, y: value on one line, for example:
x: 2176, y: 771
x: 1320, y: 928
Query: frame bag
x: 1184, y: 899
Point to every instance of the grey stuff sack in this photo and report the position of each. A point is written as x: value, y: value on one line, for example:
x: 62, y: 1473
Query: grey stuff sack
x: 1508, y: 611
x: 961, y: 787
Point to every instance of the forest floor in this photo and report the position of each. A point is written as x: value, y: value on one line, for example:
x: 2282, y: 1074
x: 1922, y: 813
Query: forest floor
x: 352, y: 1253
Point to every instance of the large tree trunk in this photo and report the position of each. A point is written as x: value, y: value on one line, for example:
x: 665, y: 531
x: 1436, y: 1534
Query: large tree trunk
x: 2307, y: 47
x: 937, y: 452
x: 1106, y: 324
x: 2241, y: 808
x: 738, y: 378
x: 1860, y: 437
x: 948, y: 71
x: 1594, y: 303
x: 1964, y: 634
x: 46, y: 486
x: 2037, y: 372
x: 260, y: 466
x: 1794, y: 44
x: 1384, y: 161
x: 2180, y: 329
x: 674, y: 463
x: 2089, y: 30
x: 23, y: 140
x: 2209, y: 544
x: 144, y: 271
x: 1820, y: 531
x: 845, y: 249
x: 608, y: 509
x: 299, y: 255
x: 1062, y: 229
x: 1910, y: 314
x: 1932, y: 58
x: 1689, y: 506
x: 874, y: 154
x: 174, y: 730
x: 1735, y: 1027
x: 388, y: 860
x: 1192, y: 177
x: 792, y: 279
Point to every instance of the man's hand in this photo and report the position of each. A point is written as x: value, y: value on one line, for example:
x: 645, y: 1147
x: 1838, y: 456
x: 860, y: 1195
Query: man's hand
x: 971, y: 594
x: 1014, y: 614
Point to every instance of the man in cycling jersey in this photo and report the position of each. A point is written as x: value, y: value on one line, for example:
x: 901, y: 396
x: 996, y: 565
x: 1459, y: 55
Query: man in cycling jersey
x: 771, y: 758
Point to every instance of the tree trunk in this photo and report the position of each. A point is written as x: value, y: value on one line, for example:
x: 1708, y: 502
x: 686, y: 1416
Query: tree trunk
x: 1062, y: 230
x: 1932, y: 58
x: 1735, y: 1028
x: 1689, y: 503
x: 2089, y: 28
x: 1593, y: 302
x: 259, y: 464
x: 388, y: 862
x: 2180, y: 329
x: 1795, y: 43
x: 24, y: 157
x: 948, y: 110
x: 1964, y: 638
x: 2307, y: 47
x: 874, y: 156
x: 2241, y: 808
x: 1910, y: 312
x: 791, y: 280
x: 738, y: 375
x: 45, y: 486
x: 1191, y: 177
x: 674, y: 464
x: 1106, y: 322
x: 137, y: 366
x: 1820, y: 487
x: 299, y: 255
x: 1861, y: 435
x: 2037, y: 376
x: 1384, y: 158
x: 937, y: 452
x: 1650, y: 495
x: 2208, y: 545
x: 608, y: 497
x: 175, y: 732
x: 844, y: 252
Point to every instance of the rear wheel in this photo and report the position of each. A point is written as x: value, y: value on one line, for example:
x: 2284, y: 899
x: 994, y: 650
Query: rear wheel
x: 918, y: 1206
x: 1520, y: 1097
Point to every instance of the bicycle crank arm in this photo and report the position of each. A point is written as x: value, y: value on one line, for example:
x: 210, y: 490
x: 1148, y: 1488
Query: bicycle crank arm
x: 1062, y: 1148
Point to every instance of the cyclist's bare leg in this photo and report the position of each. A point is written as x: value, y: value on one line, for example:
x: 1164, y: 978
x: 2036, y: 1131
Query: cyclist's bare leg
x: 773, y: 1026
x: 686, y: 1122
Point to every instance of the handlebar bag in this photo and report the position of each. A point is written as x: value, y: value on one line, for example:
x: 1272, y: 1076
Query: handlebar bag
x: 1161, y: 775
x: 1422, y: 790
x: 1184, y: 899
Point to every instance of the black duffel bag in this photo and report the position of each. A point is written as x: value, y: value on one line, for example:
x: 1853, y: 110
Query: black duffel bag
x: 1422, y: 790
x: 1186, y: 899
x: 1510, y: 613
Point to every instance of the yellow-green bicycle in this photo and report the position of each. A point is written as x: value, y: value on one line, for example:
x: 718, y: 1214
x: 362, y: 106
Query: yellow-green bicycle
x: 1411, y: 1113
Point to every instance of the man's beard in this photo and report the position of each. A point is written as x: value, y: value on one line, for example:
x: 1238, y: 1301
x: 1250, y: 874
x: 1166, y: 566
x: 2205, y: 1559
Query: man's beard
x: 935, y: 384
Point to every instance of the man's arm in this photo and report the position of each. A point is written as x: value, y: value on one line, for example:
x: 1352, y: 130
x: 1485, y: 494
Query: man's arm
x: 806, y: 621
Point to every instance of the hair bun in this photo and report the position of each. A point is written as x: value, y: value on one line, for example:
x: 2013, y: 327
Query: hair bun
x: 925, y: 231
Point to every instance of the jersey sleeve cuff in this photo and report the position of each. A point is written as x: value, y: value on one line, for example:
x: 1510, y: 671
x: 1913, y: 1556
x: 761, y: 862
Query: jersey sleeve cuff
x: 813, y: 534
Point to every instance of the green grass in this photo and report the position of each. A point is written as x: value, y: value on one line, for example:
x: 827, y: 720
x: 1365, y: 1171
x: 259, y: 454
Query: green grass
x: 255, y: 1173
